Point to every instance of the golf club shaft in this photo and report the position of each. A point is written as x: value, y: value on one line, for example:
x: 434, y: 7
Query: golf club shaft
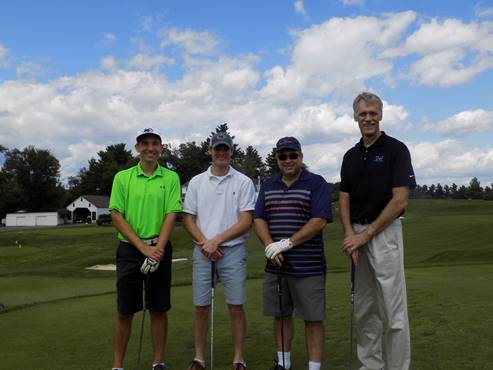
x: 279, y: 293
x: 146, y: 284
x: 213, y: 273
x: 350, y: 360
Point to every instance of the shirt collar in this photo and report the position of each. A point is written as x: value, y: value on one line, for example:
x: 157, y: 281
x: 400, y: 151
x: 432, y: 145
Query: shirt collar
x: 380, y: 141
x: 159, y: 171
x: 305, y: 175
x: 230, y: 172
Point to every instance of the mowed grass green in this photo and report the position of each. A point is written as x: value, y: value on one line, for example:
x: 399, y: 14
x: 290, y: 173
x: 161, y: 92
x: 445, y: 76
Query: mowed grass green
x: 60, y: 315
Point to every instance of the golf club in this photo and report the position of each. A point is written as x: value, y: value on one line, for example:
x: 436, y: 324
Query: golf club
x: 279, y: 294
x: 146, y: 284
x: 213, y: 272
x: 350, y: 359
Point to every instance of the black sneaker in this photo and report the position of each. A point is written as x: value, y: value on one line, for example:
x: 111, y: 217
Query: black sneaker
x: 278, y: 366
x: 159, y: 367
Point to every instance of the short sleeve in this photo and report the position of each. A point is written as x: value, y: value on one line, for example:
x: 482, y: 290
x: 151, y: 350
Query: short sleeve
x: 173, y: 199
x: 260, y: 204
x: 345, y: 185
x: 321, y: 204
x: 402, y: 169
x: 190, y: 202
x: 118, y: 194
x: 247, y: 196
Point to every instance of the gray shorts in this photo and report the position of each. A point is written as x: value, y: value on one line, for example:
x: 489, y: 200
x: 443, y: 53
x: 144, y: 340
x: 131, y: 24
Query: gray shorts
x: 305, y: 295
x: 231, y: 271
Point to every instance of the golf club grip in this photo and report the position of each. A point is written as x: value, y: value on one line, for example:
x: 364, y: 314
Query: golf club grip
x: 213, y: 272
x: 353, y: 272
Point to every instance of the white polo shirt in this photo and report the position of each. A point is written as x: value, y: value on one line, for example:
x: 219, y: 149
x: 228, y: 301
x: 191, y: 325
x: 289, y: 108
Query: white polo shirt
x: 217, y: 201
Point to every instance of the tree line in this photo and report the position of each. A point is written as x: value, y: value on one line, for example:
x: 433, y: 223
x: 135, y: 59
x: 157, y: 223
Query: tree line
x: 30, y: 178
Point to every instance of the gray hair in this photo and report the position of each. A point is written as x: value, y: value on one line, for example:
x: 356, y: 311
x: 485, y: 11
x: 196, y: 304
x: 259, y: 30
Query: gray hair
x: 369, y: 98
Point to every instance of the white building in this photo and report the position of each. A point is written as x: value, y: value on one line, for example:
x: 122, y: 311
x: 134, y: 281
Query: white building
x: 33, y: 219
x: 87, y: 208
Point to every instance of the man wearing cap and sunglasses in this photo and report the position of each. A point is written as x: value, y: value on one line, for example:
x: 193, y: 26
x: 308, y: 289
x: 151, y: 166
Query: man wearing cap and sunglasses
x: 218, y: 214
x: 291, y: 211
x: 144, y: 202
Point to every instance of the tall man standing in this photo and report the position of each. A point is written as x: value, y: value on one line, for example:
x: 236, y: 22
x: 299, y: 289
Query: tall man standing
x: 376, y: 175
x: 144, y: 202
x: 292, y: 209
x: 218, y: 214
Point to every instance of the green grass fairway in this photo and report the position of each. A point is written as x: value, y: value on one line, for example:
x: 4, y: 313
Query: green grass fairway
x: 60, y: 315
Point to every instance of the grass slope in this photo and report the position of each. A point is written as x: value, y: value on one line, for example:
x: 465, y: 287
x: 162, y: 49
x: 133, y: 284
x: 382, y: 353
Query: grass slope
x: 60, y: 315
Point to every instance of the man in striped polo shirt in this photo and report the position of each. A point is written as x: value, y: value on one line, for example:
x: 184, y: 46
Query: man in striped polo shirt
x: 291, y: 211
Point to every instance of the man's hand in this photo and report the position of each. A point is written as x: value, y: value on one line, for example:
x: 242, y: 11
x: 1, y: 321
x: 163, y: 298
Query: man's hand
x: 352, y: 242
x: 207, y: 245
x: 149, y: 266
x: 273, y: 249
x: 151, y: 251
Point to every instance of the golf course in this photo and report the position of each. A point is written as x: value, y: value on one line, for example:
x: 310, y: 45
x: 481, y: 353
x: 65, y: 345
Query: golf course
x: 59, y: 315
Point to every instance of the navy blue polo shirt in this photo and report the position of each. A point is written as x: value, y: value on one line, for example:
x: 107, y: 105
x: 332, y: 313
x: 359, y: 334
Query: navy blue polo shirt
x: 288, y: 209
x: 369, y: 174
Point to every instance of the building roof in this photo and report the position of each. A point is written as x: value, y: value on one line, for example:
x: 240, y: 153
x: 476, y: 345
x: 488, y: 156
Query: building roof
x: 100, y: 201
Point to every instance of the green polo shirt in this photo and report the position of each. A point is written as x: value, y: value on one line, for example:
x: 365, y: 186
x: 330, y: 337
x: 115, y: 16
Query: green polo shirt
x: 145, y: 200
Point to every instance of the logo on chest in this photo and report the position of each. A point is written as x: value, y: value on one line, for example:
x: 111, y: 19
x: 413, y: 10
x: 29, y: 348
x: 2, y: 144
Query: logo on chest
x: 378, y: 159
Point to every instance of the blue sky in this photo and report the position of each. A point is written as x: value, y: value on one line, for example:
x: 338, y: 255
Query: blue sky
x: 77, y: 76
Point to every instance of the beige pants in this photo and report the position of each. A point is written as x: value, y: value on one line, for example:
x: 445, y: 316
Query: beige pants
x: 380, y: 301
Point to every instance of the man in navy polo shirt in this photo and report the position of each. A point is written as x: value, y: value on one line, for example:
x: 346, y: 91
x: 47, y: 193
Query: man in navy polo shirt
x: 376, y: 175
x: 291, y: 211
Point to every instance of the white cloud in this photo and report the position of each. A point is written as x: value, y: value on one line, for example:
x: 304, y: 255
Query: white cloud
x: 352, y: 2
x: 450, y: 161
x: 109, y: 63
x: 29, y: 69
x: 108, y: 38
x: 3, y: 56
x: 149, y: 61
x: 483, y: 12
x: 193, y: 42
x: 338, y: 56
x: 450, y: 52
x: 464, y: 123
x: 77, y: 153
x: 299, y: 7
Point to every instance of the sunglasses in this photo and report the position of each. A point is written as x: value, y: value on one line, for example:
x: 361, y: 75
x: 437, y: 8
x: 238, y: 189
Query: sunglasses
x: 292, y: 156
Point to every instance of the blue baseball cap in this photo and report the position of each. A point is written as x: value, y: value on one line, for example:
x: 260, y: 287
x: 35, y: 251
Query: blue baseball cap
x: 288, y: 142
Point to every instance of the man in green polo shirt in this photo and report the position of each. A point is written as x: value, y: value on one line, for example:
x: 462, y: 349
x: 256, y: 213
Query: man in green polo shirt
x: 144, y: 202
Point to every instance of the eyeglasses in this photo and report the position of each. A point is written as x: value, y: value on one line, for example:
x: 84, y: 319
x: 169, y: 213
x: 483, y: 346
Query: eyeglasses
x: 292, y: 156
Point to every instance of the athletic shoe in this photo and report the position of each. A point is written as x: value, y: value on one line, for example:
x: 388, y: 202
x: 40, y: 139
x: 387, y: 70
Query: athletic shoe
x: 277, y: 366
x: 159, y: 367
x: 239, y: 366
x: 195, y: 365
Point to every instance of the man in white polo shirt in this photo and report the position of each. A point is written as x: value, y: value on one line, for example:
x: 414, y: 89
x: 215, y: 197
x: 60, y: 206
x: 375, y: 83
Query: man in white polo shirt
x: 218, y: 214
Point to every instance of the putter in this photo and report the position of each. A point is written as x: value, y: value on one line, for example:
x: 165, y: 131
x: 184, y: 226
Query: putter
x: 213, y: 272
x: 146, y: 284
x: 350, y: 359
x: 279, y: 294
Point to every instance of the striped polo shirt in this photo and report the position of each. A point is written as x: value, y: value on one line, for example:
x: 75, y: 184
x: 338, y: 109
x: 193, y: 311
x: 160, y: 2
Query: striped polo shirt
x: 288, y: 209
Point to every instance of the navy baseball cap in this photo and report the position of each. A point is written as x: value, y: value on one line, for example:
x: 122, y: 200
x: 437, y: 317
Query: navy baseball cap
x: 288, y: 142
x: 221, y: 138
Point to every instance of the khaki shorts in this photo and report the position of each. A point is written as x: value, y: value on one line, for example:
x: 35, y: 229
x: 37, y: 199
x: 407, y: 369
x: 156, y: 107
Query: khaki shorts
x: 304, y: 295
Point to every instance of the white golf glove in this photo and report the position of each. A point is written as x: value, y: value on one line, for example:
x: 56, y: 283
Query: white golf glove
x: 149, y: 266
x: 273, y: 249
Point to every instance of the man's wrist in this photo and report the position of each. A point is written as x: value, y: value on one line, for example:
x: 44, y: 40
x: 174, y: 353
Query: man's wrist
x: 370, y: 231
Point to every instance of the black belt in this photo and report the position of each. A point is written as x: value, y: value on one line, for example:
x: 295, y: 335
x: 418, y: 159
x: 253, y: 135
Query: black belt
x: 363, y: 221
